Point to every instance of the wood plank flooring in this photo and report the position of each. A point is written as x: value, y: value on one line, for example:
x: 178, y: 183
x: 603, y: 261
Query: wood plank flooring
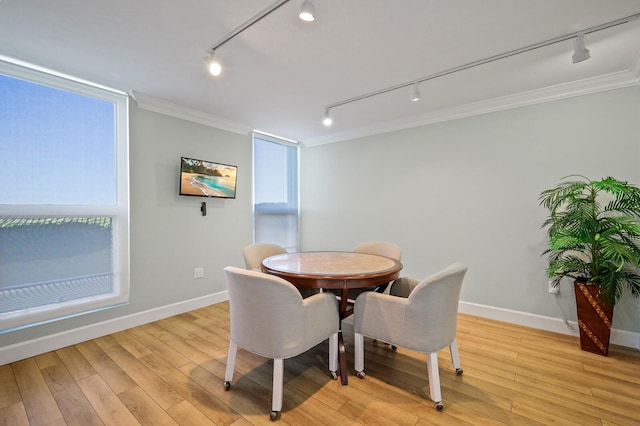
x: 171, y: 372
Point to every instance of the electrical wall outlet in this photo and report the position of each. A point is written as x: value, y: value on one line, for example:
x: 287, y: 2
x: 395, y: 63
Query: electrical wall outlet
x: 198, y: 273
x: 552, y: 289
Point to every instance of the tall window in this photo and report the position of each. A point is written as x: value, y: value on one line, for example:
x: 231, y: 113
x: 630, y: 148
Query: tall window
x: 64, y: 199
x: 275, y: 191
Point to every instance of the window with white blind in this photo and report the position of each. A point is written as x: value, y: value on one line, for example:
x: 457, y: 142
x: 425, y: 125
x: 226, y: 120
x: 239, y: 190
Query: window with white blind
x: 64, y: 198
x: 275, y: 191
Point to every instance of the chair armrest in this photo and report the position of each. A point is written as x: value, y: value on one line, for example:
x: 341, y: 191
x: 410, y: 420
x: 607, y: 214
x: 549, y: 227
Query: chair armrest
x: 403, y: 286
x: 321, y: 318
x: 380, y: 316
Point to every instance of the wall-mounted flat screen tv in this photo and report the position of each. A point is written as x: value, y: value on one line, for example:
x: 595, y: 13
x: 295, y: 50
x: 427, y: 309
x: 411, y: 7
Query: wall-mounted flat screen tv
x: 201, y: 178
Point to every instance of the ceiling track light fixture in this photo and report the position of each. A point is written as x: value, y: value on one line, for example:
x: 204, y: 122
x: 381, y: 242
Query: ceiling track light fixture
x: 415, y: 93
x: 307, y: 11
x: 326, y: 117
x: 213, y: 65
x: 580, y: 52
x: 215, y: 68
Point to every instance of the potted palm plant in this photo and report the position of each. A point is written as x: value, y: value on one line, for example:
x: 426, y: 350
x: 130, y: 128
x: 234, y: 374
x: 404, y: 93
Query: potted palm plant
x: 594, y: 238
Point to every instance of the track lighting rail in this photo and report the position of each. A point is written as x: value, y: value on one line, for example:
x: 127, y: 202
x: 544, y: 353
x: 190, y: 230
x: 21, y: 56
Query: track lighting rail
x: 485, y: 61
x: 247, y: 24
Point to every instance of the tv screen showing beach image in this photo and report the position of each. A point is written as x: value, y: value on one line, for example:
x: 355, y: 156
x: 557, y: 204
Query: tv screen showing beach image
x: 207, y: 179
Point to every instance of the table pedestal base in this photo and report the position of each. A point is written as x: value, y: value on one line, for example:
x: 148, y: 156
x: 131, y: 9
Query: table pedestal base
x: 345, y: 311
x: 342, y: 359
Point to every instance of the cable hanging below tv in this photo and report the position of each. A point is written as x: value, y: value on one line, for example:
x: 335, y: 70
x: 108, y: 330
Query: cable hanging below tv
x: 199, y: 178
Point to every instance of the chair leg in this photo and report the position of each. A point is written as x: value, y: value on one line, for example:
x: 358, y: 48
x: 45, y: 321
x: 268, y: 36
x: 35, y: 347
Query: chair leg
x: 231, y: 361
x: 278, y: 378
x: 434, y: 380
x: 455, y: 357
x: 358, y: 343
x: 333, y: 355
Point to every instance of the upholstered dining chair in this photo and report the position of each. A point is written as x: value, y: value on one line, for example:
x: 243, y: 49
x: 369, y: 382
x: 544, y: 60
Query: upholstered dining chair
x: 270, y: 318
x: 417, y: 315
x: 380, y: 248
x: 255, y: 253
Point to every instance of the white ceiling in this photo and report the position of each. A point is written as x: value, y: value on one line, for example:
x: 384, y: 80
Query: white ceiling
x: 280, y: 73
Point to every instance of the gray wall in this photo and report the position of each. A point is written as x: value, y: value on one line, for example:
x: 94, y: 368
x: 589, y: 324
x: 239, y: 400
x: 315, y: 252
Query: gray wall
x: 467, y: 190
x: 463, y: 190
x: 169, y: 237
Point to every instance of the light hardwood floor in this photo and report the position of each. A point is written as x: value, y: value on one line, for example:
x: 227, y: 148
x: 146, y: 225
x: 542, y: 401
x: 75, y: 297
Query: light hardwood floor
x: 172, y: 371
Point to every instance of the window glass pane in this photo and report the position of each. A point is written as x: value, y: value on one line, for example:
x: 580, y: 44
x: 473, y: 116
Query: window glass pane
x: 58, y: 147
x: 275, y: 193
x: 271, y: 167
x: 276, y: 228
x: 53, y: 260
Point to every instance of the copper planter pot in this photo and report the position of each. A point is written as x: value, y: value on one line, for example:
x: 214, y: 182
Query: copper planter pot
x: 594, y: 318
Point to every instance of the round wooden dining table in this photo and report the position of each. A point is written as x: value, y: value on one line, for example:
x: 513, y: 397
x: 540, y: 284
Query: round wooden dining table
x: 334, y: 270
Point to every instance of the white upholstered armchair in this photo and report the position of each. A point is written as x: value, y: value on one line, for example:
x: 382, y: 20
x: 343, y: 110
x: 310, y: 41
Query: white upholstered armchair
x: 379, y: 248
x: 254, y: 254
x: 271, y: 319
x: 417, y: 315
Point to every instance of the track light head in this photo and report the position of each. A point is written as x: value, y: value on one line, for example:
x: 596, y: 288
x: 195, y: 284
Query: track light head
x: 415, y: 93
x: 580, y: 52
x: 213, y: 65
x: 326, y: 119
x: 307, y: 11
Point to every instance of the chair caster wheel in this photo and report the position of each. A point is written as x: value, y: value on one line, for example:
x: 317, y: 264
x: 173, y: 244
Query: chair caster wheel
x: 275, y: 415
x: 439, y: 406
x: 360, y: 374
x: 334, y: 375
x: 394, y: 348
x: 459, y: 371
x: 227, y: 386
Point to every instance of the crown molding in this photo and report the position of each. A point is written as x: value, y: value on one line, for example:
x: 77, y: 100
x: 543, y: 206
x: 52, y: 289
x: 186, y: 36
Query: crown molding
x: 635, y: 68
x: 561, y: 91
x: 161, y: 106
x: 611, y: 81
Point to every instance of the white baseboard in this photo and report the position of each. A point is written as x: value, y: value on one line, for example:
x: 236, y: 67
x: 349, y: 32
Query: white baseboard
x: 618, y: 337
x: 42, y: 345
x: 50, y: 343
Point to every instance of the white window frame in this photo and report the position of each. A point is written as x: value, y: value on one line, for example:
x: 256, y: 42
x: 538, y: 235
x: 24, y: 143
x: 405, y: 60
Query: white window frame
x: 119, y: 212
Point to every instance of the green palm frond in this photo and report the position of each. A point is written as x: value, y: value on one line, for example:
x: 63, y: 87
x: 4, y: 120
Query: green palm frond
x: 594, y: 233
x: 569, y: 266
x: 614, y: 282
